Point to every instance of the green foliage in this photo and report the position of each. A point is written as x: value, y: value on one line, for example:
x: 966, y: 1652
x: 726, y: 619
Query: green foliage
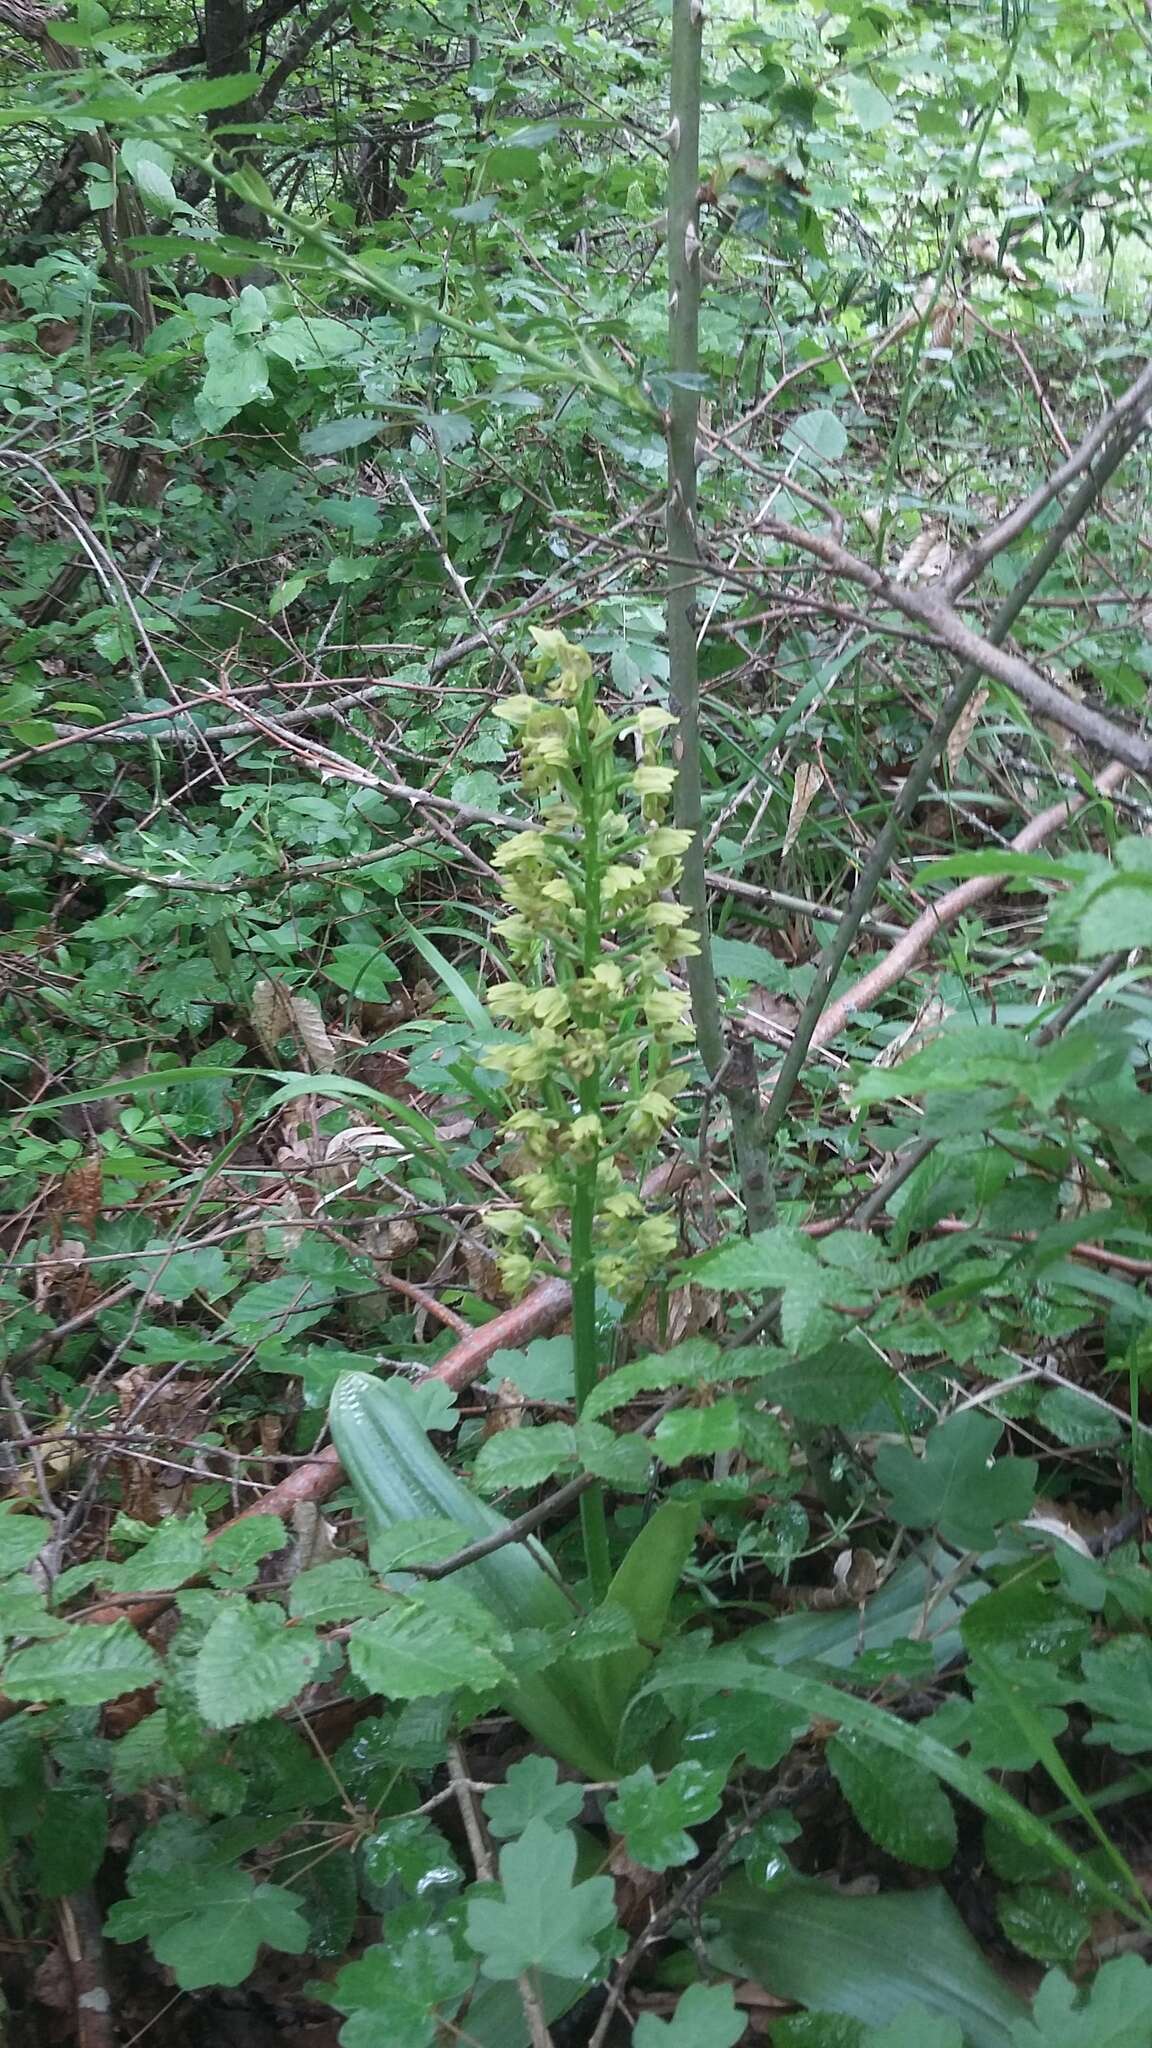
x: 541, y: 1919
x: 955, y: 1486
x: 324, y: 433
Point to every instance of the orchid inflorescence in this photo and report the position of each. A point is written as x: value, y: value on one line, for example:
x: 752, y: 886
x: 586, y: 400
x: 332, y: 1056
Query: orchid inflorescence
x: 592, y: 933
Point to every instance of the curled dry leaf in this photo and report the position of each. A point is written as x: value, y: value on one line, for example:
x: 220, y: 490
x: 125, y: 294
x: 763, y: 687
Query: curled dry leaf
x: 270, y: 1012
x: 924, y: 1026
x: 963, y: 729
x: 926, y: 558
x: 806, y: 787
x: 309, y: 1028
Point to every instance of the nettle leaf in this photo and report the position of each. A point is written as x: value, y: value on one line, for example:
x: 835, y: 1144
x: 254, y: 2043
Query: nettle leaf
x: 395, y: 1992
x: 901, y: 1806
x: 525, y: 1457
x: 839, y: 1383
x: 342, y: 1589
x: 208, y: 1925
x: 1045, y: 1923
x: 173, y: 1553
x: 531, y: 1791
x: 697, y: 1432
x: 414, y: 1653
x: 694, y: 1364
x: 542, y: 1920
x: 1117, y: 1687
x: 653, y: 1815
x: 84, y: 1668
x: 1115, y: 2012
x: 705, y: 2017
x: 237, y: 1551
x: 22, y: 1537
x: 625, y: 1462
x: 251, y: 1663
x: 953, y: 1487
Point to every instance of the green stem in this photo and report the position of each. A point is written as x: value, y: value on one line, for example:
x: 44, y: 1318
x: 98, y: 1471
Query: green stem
x: 585, y: 1336
x: 585, y: 1347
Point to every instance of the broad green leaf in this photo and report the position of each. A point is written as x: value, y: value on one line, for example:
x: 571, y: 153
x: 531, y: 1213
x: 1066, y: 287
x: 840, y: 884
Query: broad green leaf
x: 732, y: 1671
x: 837, y: 1384
x: 414, y: 1653
x: 365, y: 971
x: 237, y: 375
x: 915, y: 2028
x: 208, y: 1925
x: 705, y: 2017
x: 819, y: 436
x: 335, y: 437
x: 251, y: 1663
x: 340, y: 1590
x: 868, y: 1958
x: 84, y: 1668
x: 867, y: 102
x: 654, y: 1814
x: 531, y: 1791
x: 22, y: 1537
x: 542, y: 1920
x: 953, y: 1486
x: 906, y: 1810
x: 70, y: 1838
x: 1114, y: 2012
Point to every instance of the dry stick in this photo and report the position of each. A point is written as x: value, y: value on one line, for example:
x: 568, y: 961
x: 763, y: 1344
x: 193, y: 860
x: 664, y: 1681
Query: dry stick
x: 1132, y: 426
x: 485, y: 1871
x: 82, y: 1939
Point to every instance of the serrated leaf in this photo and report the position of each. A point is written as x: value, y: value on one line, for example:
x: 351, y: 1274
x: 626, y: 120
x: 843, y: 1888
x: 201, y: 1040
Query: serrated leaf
x: 953, y: 1487
x: 413, y: 1653
x: 624, y: 1462
x: 542, y: 1920
x: 84, y: 1668
x: 705, y: 2017
x: 903, y: 1808
x: 654, y: 1814
x: 173, y: 1553
x: 250, y: 1664
x: 837, y: 1384
x: 697, y: 1432
x: 696, y: 1363
x: 531, y: 1791
x: 1044, y: 1922
x: 525, y: 1457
